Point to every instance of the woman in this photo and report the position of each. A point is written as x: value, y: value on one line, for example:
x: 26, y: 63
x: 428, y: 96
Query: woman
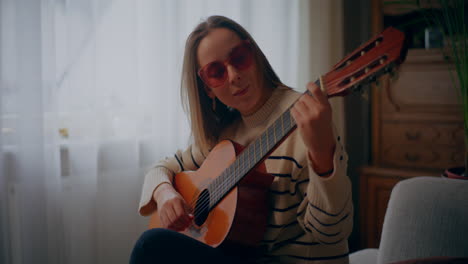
x: 233, y: 93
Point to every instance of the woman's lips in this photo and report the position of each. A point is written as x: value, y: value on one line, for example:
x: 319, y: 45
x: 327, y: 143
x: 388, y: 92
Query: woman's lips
x: 242, y: 92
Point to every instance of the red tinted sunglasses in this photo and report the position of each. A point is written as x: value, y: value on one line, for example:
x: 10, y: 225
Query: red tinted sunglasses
x: 214, y: 74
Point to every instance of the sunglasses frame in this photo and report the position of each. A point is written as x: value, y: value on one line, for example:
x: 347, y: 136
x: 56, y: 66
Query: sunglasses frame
x: 245, y: 42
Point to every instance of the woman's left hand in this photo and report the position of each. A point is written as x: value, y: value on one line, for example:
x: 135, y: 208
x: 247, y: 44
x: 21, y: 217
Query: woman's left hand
x: 313, y: 116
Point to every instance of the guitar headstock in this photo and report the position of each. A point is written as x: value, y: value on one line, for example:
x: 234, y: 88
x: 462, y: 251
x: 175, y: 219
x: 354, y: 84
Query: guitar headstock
x: 378, y: 56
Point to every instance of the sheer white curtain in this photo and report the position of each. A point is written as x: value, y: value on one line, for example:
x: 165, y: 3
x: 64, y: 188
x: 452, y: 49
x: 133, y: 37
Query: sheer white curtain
x: 90, y: 99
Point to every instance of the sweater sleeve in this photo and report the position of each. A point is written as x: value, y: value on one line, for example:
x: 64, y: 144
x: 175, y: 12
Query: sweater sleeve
x: 327, y: 209
x: 164, y: 172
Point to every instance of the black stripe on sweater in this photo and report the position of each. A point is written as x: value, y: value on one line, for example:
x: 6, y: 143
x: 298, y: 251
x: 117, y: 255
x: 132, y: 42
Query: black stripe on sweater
x: 277, y: 192
x: 193, y: 159
x: 282, y: 192
x: 287, y: 158
x: 330, y: 214
x: 282, y: 175
x: 303, y: 243
x: 290, y: 241
x: 331, y: 224
x: 293, y: 241
x: 287, y: 208
x: 286, y: 241
x: 321, y: 232
x: 323, y: 242
x: 180, y: 163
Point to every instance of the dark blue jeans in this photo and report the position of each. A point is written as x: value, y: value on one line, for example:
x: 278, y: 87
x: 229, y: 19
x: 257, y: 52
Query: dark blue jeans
x: 163, y: 246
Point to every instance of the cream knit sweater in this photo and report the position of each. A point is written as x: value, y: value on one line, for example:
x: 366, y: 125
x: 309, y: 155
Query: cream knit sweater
x: 312, y: 215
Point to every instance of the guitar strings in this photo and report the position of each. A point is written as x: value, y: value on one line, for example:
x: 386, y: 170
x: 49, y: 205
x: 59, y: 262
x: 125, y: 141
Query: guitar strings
x: 226, y: 182
x: 229, y: 181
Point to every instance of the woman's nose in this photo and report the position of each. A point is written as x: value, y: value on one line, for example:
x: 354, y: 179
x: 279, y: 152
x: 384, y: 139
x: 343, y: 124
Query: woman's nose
x: 233, y: 74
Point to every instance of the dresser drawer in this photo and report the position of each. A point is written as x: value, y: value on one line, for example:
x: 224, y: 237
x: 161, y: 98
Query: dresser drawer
x: 424, y: 86
x: 424, y: 157
x: 422, y: 134
x: 422, y: 144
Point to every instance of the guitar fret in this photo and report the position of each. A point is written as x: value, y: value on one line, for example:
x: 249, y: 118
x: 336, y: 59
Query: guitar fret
x: 255, y: 148
x: 270, y: 139
x: 236, y: 169
x: 274, y: 132
x: 263, y: 144
x: 282, y: 125
x: 251, y: 156
x: 288, y: 119
x: 241, y: 166
x: 279, y: 129
x: 279, y: 133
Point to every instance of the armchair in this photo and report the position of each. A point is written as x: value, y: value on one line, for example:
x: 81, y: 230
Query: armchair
x: 427, y: 217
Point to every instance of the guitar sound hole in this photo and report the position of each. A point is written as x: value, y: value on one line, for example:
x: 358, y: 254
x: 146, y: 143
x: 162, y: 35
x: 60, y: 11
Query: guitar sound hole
x: 202, y: 208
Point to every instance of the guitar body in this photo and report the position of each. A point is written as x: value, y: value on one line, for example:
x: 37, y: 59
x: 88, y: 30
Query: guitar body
x: 240, y: 217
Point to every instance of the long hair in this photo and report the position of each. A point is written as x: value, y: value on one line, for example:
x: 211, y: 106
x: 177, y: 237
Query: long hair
x: 206, y: 124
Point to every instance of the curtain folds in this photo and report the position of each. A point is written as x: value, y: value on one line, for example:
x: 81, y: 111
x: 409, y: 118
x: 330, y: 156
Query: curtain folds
x: 89, y: 100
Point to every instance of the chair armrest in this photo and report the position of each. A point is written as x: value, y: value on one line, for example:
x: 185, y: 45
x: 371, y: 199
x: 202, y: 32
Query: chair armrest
x: 364, y: 256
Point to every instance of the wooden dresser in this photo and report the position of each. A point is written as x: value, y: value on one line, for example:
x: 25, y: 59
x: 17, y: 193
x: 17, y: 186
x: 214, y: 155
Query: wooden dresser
x: 417, y: 130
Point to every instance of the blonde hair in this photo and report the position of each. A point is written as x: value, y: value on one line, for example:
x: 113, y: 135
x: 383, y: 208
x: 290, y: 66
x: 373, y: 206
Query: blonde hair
x: 206, y: 124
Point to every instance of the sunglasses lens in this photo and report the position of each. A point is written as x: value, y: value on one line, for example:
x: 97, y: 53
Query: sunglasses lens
x: 214, y: 74
x: 241, y: 57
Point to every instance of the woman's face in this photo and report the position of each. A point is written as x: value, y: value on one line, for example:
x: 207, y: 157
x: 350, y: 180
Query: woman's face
x: 243, y: 89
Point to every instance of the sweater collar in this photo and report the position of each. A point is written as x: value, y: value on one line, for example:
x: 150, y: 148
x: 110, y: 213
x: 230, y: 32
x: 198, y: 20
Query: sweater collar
x: 265, y: 111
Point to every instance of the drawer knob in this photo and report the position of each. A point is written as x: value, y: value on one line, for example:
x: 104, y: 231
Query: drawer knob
x: 411, y: 157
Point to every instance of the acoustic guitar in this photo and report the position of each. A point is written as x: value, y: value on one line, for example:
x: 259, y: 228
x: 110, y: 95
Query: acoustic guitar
x: 228, y: 193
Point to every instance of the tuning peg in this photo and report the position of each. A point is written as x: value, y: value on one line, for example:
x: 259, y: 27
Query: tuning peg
x: 365, y: 94
x: 377, y: 43
x: 357, y: 87
x: 393, y: 75
x: 348, y: 62
x: 362, y: 52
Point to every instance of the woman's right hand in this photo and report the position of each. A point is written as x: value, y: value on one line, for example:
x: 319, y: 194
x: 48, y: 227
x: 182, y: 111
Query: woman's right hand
x: 172, y: 208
